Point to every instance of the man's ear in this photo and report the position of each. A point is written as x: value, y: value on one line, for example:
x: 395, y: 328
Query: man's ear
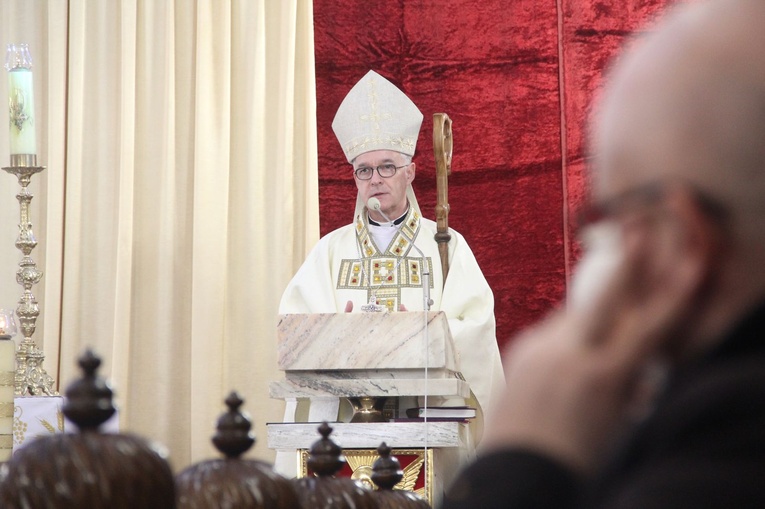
x: 684, y: 248
x: 672, y: 254
x: 411, y: 169
x: 700, y: 235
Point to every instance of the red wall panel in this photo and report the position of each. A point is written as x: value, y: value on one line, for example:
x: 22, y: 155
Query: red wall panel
x: 494, y: 67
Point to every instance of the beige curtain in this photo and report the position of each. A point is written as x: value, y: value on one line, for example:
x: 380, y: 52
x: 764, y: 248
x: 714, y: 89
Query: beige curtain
x: 180, y: 197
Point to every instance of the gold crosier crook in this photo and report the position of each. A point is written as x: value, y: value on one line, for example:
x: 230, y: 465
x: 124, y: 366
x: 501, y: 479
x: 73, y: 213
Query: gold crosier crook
x: 442, y: 150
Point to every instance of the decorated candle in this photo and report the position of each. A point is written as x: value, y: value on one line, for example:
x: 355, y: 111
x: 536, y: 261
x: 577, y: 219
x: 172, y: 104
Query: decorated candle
x: 21, y: 102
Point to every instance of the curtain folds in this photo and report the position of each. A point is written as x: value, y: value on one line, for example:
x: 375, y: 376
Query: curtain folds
x: 182, y: 189
x: 171, y: 225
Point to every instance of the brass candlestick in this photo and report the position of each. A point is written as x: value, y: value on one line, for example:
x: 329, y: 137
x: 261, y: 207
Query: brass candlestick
x: 31, y: 378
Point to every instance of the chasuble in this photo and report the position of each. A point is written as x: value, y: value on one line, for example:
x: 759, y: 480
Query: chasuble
x: 347, y: 265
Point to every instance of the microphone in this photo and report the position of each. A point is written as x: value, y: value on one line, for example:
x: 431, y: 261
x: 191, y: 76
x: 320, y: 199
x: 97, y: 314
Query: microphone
x: 374, y: 204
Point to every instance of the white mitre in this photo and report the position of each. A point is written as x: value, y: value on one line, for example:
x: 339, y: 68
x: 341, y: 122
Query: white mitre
x: 375, y: 115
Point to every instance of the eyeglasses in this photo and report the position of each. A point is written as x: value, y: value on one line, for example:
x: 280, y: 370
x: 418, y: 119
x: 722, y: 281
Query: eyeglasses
x: 384, y: 170
x: 646, y: 195
x: 634, y: 198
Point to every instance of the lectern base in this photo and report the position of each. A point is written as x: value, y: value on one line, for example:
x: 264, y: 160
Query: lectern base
x: 414, y: 462
x: 449, y: 447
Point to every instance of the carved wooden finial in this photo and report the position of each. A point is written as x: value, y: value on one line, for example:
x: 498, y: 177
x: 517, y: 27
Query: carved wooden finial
x: 386, y: 473
x: 233, y: 481
x: 89, y: 399
x: 386, y: 469
x: 325, y: 491
x: 233, y: 436
x: 89, y: 469
x: 326, y: 457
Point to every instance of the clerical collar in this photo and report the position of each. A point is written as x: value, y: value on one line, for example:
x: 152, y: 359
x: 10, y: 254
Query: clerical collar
x: 396, y: 222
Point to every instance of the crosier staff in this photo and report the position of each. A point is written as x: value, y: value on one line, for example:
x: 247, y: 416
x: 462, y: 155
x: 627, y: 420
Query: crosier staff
x: 442, y: 150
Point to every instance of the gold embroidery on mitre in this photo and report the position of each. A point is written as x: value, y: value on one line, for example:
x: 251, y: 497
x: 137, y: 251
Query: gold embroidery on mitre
x: 374, y: 117
x: 359, y: 146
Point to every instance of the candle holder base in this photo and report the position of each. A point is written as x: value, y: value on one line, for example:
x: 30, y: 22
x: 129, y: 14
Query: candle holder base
x: 30, y: 378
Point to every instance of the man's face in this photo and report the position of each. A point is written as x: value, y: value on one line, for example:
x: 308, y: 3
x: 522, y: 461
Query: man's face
x: 390, y: 191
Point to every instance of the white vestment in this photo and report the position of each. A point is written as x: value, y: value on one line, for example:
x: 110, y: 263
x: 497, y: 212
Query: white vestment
x: 343, y: 262
x: 337, y: 269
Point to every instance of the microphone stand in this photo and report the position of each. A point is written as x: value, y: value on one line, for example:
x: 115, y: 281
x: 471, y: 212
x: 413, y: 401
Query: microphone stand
x: 427, y: 302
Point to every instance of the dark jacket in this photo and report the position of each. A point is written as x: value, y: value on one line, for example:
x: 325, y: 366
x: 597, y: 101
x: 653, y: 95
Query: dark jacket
x: 703, y: 446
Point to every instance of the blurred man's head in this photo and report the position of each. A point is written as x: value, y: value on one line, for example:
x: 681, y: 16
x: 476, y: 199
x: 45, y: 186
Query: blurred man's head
x: 689, y: 103
x: 679, y: 159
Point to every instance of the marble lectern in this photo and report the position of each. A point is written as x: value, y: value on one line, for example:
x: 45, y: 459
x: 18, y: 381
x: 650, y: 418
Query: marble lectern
x: 374, y: 355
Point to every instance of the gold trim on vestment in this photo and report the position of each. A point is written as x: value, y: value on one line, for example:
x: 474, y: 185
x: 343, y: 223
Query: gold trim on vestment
x: 389, y: 270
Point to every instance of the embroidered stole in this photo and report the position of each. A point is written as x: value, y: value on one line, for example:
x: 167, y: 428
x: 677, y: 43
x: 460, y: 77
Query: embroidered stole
x: 384, y: 273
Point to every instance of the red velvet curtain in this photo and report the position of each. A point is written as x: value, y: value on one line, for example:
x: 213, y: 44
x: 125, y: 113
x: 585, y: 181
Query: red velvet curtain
x: 517, y: 77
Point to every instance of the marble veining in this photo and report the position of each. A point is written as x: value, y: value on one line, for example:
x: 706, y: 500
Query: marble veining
x: 306, y: 387
x: 343, y: 341
x: 288, y: 436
